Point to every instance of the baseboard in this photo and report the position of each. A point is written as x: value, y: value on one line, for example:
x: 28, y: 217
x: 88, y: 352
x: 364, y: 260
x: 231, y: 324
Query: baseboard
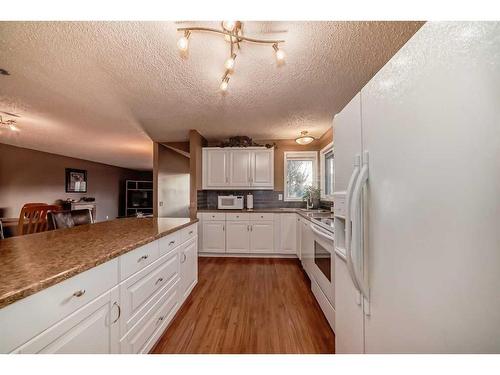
x: 246, y: 255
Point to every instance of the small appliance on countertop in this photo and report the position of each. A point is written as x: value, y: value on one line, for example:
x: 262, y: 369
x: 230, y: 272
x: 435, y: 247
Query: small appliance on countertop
x: 249, y: 201
x: 230, y: 202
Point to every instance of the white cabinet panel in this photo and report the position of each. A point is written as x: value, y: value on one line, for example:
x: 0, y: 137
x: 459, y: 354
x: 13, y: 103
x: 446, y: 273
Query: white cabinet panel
x: 139, y: 292
x: 288, y: 236
x: 215, y: 168
x: 214, y: 237
x: 189, y: 267
x: 229, y: 168
x: 262, y: 237
x: 238, y: 237
x: 93, y: 329
x: 239, y: 168
x: 262, y: 168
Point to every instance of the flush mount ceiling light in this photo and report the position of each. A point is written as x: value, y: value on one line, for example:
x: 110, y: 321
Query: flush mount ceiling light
x: 232, y: 32
x: 304, y: 139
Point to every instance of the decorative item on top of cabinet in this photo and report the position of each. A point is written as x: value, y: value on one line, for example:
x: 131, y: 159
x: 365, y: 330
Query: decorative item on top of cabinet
x: 243, y: 168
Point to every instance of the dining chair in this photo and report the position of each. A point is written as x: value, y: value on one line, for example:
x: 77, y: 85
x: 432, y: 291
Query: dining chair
x: 33, y: 218
x: 1, y: 231
x: 69, y: 219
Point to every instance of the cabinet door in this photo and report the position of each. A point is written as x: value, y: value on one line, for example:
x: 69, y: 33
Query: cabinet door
x: 238, y: 237
x: 262, y: 237
x: 239, y: 168
x: 214, y: 237
x: 189, y: 267
x: 215, y: 171
x: 288, y: 236
x: 93, y: 329
x: 262, y: 163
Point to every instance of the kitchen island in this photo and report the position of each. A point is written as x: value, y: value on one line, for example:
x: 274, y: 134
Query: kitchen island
x: 122, y: 280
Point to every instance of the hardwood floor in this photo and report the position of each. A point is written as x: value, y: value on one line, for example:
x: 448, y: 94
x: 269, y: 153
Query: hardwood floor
x: 244, y: 305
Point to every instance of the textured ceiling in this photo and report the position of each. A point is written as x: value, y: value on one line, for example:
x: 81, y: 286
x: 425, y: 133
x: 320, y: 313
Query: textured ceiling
x: 102, y: 90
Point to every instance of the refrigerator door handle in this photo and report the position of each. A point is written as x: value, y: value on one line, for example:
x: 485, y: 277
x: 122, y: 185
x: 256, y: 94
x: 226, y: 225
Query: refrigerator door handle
x: 348, y: 224
x: 357, y: 235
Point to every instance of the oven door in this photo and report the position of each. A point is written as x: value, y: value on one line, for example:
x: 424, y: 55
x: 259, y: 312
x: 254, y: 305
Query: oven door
x: 324, y: 258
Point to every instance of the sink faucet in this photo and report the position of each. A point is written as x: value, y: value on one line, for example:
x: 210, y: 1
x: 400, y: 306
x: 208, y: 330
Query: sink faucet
x: 309, y: 206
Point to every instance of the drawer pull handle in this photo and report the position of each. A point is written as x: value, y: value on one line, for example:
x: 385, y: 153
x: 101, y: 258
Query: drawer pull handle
x: 79, y: 293
x: 144, y: 257
x: 183, y: 258
x: 159, y: 280
x: 119, y: 312
x: 190, y: 232
x: 171, y: 243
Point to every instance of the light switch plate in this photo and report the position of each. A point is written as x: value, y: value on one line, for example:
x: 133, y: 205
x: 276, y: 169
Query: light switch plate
x: 280, y: 197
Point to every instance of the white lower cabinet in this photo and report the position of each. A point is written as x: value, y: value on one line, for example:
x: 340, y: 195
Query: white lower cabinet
x: 92, y: 329
x: 238, y: 237
x: 189, y: 267
x: 250, y: 233
x: 288, y: 233
x: 121, y: 306
x: 214, y: 237
x: 262, y: 237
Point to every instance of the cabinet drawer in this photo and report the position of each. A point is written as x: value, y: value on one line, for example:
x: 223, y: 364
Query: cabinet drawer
x: 214, y: 216
x: 170, y: 242
x: 142, y: 337
x: 140, y: 292
x: 255, y: 216
x: 137, y: 259
x: 28, y: 317
x: 188, y: 233
x: 230, y: 216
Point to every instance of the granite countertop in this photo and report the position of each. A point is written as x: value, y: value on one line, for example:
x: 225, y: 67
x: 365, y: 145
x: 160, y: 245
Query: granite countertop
x: 34, y: 262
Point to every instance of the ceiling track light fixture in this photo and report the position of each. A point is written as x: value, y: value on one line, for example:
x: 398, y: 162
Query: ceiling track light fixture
x: 232, y: 32
x: 304, y: 138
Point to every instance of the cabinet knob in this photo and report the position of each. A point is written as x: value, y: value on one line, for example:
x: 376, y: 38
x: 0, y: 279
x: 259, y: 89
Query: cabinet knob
x: 159, y: 280
x: 190, y: 232
x: 171, y: 243
x: 79, y: 293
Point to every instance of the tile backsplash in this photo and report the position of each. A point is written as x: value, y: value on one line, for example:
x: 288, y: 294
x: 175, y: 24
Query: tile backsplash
x: 207, y: 199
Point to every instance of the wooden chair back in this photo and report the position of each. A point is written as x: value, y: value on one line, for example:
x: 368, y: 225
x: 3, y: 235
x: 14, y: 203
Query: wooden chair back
x: 33, y: 218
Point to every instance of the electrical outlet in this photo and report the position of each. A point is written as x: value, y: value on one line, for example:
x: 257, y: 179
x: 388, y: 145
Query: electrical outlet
x: 280, y: 197
x: 161, y: 204
x: 107, y: 217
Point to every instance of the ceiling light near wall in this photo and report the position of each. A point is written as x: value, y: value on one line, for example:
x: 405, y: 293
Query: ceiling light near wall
x: 232, y: 32
x: 304, y: 139
x: 8, y: 124
x: 183, y: 43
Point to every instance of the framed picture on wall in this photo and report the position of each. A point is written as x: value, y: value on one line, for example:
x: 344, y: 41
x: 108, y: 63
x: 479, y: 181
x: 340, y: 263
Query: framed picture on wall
x: 76, y: 180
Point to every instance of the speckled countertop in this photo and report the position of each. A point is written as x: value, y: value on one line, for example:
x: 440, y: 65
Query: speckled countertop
x: 34, y: 262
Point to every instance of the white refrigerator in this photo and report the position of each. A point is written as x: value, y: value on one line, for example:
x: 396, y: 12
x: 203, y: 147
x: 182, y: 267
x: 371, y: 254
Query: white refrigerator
x: 417, y: 222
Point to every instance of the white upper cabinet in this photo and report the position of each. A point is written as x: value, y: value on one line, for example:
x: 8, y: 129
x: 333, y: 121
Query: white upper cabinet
x: 239, y: 164
x: 215, y: 168
x: 262, y: 164
x: 238, y: 168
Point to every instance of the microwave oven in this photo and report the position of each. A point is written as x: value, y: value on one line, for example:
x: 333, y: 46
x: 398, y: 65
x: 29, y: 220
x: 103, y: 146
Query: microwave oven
x: 230, y: 202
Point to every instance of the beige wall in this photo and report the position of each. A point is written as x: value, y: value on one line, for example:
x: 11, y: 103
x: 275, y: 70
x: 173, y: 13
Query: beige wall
x: 34, y: 176
x: 171, y: 182
x: 290, y: 145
